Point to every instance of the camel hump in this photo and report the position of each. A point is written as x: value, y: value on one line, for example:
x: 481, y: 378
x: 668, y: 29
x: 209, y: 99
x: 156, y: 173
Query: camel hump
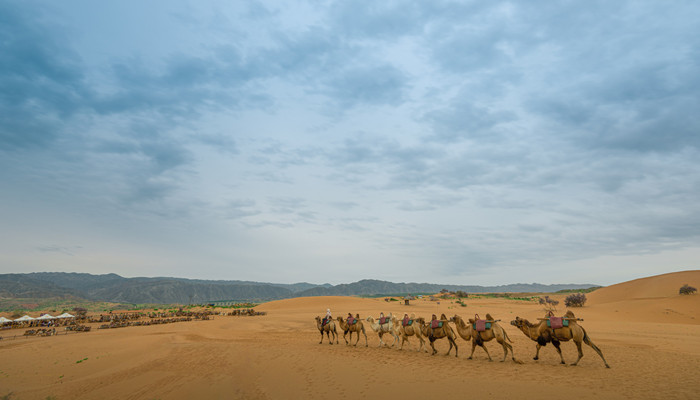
x: 443, y: 316
x: 569, y: 314
x: 489, y: 317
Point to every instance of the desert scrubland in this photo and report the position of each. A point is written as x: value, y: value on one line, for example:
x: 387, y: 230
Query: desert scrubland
x: 648, y: 333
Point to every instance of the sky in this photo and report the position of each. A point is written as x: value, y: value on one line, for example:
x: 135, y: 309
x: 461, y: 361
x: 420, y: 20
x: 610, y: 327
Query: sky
x: 477, y: 142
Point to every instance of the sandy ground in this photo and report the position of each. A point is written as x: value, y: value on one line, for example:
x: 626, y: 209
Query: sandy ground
x: 649, y: 334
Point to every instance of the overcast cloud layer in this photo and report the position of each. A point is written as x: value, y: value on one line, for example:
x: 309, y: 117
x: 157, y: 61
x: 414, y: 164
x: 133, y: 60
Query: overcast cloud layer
x: 462, y: 142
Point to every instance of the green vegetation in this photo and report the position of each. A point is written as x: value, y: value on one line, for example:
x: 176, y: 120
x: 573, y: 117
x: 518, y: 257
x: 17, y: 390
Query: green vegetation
x: 79, y: 361
x: 507, y: 296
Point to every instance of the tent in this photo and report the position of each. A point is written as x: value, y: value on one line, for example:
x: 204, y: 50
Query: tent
x: 45, y: 317
x: 24, y: 318
x: 4, y: 320
x: 65, y: 315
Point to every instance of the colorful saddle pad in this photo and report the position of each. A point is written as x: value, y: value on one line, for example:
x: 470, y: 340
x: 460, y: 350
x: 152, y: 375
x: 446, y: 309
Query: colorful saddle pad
x: 325, y: 321
x: 436, y: 324
x: 481, y: 325
x: 407, y: 322
x: 352, y: 321
x: 557, y: 322
x: 383, y: 320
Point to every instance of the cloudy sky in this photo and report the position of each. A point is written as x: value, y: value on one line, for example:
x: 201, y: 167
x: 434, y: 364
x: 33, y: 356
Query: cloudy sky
x: 476, y: 142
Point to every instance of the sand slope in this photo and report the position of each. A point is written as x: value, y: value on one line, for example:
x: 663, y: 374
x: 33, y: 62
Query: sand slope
x: 278, y: 356
x: 659, y: 286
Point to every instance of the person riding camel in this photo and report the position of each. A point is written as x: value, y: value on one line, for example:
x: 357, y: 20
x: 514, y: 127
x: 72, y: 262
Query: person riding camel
x: 328, y: 317
x: 350, y: 319
x: 405, y: 319
x: 382, y: 318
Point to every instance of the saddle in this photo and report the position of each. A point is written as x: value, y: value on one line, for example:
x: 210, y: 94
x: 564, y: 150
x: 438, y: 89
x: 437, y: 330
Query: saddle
x: 383, y: 320
x: 407, y: 322
x: 557, y: 322
x: 325, y: 321
x: 434, y: 324
x: 480, y: 325
x: 352, y: 320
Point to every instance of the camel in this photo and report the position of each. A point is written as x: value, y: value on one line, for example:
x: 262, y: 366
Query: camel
x: 356, y: 327
x: 445, y: 331
x: 573, y: 332
x: 533, y: 332
x: 479, y: 338
x: 328, y: 329
x: 386, y: 327
x: 409, y: 330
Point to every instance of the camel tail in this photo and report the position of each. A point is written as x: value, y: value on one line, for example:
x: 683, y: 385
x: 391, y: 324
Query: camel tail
x: 505, y: 334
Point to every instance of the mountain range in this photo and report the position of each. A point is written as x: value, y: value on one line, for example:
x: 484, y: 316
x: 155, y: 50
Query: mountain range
x: 165, y: 290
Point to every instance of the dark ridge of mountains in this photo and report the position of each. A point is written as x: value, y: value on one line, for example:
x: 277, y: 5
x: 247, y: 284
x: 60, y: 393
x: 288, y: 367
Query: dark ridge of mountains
x: 163, y: 290
x: 372, y: 287
x: 24, y: 286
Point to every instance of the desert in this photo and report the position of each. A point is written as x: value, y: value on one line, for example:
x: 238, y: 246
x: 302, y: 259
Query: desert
x: 647, y: 331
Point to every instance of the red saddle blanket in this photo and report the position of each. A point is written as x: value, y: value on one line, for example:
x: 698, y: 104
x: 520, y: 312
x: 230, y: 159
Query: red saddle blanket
x: 435, y: 324
x: 383, y: 320
x: 480, y: 325
x: 352, y: 321
x: 325, y: 321
x: 557, y: 322
x: 407, y: 322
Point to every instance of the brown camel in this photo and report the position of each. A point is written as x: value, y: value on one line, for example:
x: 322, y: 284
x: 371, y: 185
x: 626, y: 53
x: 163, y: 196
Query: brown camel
x: 573, y: 332
x: 433, y: 334
x: 495, y: 332
x: 328, y: 329
x: 533, y: 332
x: 409, y: 330
x: 357, y: 327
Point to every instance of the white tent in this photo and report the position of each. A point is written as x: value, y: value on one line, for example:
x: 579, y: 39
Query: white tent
x: 65, y: 315
x: 4, y: 320
x: 24, y: 318
x: 45, y: 317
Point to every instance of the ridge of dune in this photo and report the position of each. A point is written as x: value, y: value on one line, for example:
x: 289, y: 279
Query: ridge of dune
x: 657, y: 286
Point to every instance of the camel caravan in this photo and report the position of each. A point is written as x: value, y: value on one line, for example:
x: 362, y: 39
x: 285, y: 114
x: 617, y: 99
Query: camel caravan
x: 549, y: 329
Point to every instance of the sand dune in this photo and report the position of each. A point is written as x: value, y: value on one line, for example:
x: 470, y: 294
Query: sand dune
x: 659, y: 286
x: 277, y: 356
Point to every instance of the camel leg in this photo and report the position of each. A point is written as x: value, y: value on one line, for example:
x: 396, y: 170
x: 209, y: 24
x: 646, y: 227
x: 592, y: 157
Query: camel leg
x: 335, y: 333
x: 588, y: 341
x: 557, y: 345
x: 453, y: 342
x: 580, y: 352
x: 473, y: 348
x: 321, y: 337
x: 422, y: 344
x: 358, y: 337
x: 363, y: 332
x: 330, y: 341
x: 432, y: 344
x: 537, y: 354
x: 403, y: 340
x: 505, y: 350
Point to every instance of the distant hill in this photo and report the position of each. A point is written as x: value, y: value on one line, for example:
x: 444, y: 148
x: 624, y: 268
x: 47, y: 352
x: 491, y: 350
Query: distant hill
x: 164, y: 290
x: 24, y: 286
x: 371, y: 286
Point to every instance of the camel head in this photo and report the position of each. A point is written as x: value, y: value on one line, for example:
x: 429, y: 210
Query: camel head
x: 318, y: 319
x: 519, y: 322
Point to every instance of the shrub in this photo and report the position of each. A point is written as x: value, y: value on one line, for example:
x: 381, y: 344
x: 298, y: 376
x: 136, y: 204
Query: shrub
x: 575, y: 300
x: 686, y: 289
x: 461, y: 293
